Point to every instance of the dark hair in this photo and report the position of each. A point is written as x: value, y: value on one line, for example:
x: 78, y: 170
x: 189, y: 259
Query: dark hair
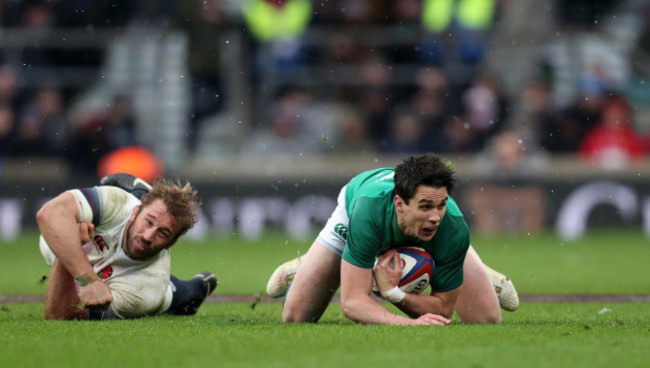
x: 426, y: 169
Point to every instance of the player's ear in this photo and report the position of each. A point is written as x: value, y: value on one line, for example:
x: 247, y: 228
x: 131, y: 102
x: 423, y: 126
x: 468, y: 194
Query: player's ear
x: 399, y: 203
x: 135, y: 213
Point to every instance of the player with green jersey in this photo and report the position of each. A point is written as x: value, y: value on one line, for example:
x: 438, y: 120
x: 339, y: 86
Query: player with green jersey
x: 369, y: 200
x: 378, y: 211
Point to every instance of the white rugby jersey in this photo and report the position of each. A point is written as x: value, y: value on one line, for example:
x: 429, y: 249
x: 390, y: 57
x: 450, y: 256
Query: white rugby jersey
x: 139, y: 288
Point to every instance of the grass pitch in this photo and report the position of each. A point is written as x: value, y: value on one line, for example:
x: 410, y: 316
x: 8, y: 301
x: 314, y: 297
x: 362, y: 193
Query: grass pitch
x: 603, y: 262
x: 234, y: 335
x: 243, y: 335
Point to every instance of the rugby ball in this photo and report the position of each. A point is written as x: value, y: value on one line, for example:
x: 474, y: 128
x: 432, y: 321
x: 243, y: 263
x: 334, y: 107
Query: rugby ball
x: 417, y: 270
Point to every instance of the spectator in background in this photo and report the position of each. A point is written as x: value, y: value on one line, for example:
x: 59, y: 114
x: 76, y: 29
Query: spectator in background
x: 485, y: 109
x: 433, y: 105
x: 119, y: 123
x: 336, y: 128
x: 43, y: 128
x: 98, y: 132
x: 342, y: 49
x: 509, y: 153
x: 404, y: 18
x: 533, y: 114
x: 407, y: 135
x: 612, y: 143
x: 351, y: 129
x: 8, y: 89
x: 8, y: 106
x: 204, y: 22
x: 459, y: 136
x: 326, y: 13
x: 468, y: 22
x: 294, y: 127
x: 39, y: 18
x: 582, y: 14
x: 640, y: 55
x: 88, y: 143
x: 357, y: 12
x: 278, y: 26
x: 497, y: 205
x: 421, y: 120
x: 7, y: 127
x: 565, y: 134
x: 375, y: 95
x: 93, y: 14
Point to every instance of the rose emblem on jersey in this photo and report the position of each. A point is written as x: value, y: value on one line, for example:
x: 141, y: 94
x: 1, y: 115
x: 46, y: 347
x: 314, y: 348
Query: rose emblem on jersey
x: 107, y: 272
x: 100, y: 244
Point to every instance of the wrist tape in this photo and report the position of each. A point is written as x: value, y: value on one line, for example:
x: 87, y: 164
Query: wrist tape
x: 87, y: 278
x: 394, y: 295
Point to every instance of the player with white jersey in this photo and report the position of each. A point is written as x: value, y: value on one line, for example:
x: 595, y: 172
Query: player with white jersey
x: 378, y: 211
x: 121, y: 263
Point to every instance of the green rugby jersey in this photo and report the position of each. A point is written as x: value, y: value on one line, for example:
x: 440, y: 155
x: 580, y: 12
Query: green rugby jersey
x: 373, y: 229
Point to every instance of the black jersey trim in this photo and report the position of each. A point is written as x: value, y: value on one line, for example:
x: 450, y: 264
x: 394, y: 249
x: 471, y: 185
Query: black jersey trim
x: 93, y: 199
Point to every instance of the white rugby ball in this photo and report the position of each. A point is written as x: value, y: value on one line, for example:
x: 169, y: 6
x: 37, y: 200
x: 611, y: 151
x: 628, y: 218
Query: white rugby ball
x: 417, y: 270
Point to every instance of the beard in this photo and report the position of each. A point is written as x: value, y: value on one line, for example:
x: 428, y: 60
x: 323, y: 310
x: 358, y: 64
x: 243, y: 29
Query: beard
x: 130, y: 245
x: 134, y: 251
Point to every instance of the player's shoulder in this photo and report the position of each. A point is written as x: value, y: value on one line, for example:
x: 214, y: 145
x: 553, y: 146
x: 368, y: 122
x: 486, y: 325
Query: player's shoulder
x: 373, y: 183
x: 110, y: 190
x: 375, y: 176
x: 104, y: 195
x: 104, y: 190
x: 452, y: 207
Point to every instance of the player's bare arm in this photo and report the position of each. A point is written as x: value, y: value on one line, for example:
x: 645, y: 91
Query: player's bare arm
x: 61, y: 299
x: 439, y: 303
x: 387, y: 274
x: 58, y: 221
x: 356, y: 284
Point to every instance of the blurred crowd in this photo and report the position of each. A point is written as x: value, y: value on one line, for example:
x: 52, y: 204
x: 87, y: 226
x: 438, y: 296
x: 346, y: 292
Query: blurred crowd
x: 435, y: 92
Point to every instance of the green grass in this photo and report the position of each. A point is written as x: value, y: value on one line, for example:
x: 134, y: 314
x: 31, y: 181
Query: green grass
x: 603, y: 262
x: 234, y: 335
x: 238, y: 335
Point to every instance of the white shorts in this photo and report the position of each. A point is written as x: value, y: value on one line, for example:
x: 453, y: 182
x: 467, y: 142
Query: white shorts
x: 334, y: 235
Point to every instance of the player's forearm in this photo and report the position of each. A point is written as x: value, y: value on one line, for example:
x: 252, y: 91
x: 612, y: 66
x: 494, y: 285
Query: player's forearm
x: 416, y: 305
x: 363, y: 309
x: 61, y: 299
x: 442, y: 303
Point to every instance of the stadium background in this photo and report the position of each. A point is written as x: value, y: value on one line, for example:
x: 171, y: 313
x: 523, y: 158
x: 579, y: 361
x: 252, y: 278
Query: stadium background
x: 268, y: 129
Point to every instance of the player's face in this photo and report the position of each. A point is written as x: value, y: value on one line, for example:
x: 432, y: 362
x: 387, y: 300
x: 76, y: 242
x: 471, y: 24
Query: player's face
x: 151, y: 229
x: 421, y: 217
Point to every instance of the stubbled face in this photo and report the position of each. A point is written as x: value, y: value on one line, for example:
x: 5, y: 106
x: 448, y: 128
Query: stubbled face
x: 421, y: 217
x: 151, y: 229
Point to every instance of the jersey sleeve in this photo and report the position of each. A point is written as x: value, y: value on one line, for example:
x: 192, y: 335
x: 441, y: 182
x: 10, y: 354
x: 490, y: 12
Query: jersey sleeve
x: 364, y: 234
x: 449, y: 254
x: 104, y: 206
x: 88, y: 204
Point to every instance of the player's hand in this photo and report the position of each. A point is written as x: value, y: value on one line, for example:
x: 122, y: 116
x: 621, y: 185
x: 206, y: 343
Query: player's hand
x: 95, y: 295
x: 431, y: 319
x: 388, y: 271
x: 86, y: 232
